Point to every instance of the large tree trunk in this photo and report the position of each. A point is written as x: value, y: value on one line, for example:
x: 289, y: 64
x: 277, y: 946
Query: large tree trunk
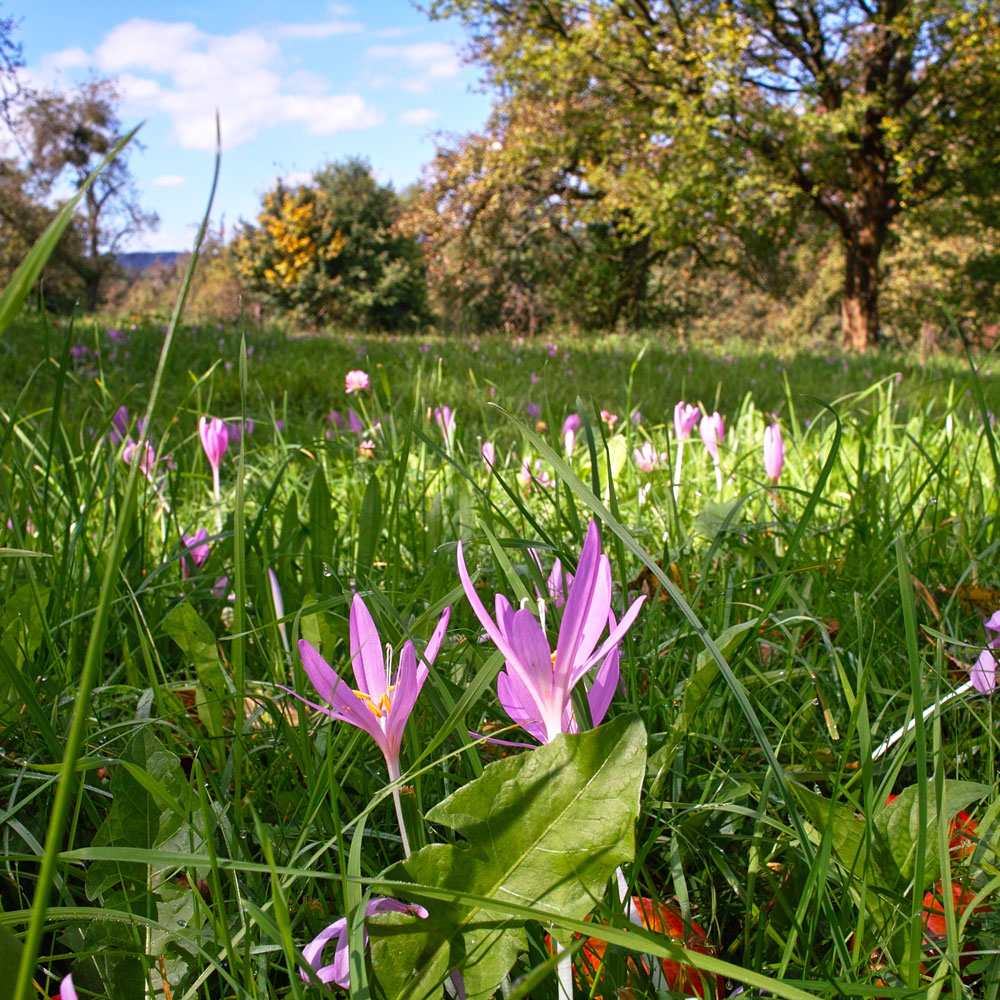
x: 859, y: 302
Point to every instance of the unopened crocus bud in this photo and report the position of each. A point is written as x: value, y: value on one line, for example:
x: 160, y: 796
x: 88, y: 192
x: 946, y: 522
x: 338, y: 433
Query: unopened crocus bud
x: 489, y: 454
x: 712, y: 429
x: 774, y: 452
x: 685, y: 419
x: 214, y: 439
x: 569, y: 428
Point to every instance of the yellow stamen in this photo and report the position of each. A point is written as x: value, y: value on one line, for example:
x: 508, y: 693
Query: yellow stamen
x: 381, y: 707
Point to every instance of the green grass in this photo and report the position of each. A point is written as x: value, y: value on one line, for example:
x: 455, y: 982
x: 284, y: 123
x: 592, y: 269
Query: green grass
x: 265, y: 820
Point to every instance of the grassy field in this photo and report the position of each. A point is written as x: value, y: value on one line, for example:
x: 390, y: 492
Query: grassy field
x: 194, y: 825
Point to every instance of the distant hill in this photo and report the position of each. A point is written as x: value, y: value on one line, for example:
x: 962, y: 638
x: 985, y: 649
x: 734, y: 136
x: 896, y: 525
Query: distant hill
x: 143, y: 260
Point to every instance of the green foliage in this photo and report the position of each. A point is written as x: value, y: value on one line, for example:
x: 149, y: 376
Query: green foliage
x: 738, y: 127
x: 544, y: 829
x: 329, y: 250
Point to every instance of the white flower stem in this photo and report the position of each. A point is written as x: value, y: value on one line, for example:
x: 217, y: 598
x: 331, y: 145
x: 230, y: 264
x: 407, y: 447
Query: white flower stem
x: 564, y: 972
x: 718, y: 476
x: 217, y: 491
x: 677, y: 467
x: 890, y: 741
x: 394, y: 777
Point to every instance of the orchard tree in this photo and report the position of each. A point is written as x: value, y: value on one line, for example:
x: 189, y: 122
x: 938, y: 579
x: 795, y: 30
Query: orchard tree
x: 331, y: 251
x: 66, y: 135
x: 715, y: 116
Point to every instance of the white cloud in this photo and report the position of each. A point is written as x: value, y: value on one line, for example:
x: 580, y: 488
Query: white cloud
x: 296, y: 178
x: 53, y: 63
x: 168, y: 181
x: 419, y: 116
x: 325, y: 29
x: 429, y: 61
x: 186, y: 73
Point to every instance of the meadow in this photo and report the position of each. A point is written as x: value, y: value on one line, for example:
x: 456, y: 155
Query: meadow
x: 794, y: 786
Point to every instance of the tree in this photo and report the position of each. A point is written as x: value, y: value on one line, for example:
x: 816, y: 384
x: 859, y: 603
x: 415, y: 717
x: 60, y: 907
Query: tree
x: 514, y: 246
x: 715, y: 115
x: 11, y: 60
x: 66, y: 135
x: 330, y: 250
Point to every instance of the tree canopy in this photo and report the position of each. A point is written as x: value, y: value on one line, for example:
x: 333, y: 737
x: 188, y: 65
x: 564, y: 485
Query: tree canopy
x: 723, y: 123
x: 330, y: 250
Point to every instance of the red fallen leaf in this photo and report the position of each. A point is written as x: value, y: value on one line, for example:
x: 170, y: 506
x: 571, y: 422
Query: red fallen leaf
x: 662, y: 919
x: 934, y: 919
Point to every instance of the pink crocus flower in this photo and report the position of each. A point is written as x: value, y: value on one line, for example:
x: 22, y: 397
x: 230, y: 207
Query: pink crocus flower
x: 712, y: 429
x: 119, y: 425
x: 569, y: 428
x: 536, y: 684
x: 446, y: 421
x: 382, y: 702
x: 66, y: 989
x: 356, y: 380
x: 685, y: 419
x: 534, y: 475
x: 145, y: 456
x: 354, y: 424
x: 338, y: 971
x: 214, y: 439
x: 197, y: 548
x: 557, y: 582
x: 983, y: 673
x: 774, y: 452
x: 647, y: 458
x: 489, y: 454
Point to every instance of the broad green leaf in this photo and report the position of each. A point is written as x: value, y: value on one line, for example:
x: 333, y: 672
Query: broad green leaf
x: 10, y: 955
x: 545, y: 829
x: 715, y: 517
x: 22, y: 622
x: 899, y: 823
x: 197, y: 642
x: 145, y: 785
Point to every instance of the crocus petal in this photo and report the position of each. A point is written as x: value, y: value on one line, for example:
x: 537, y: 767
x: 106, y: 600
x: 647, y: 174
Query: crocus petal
x: 984, y: 673
x: 587, y: 606
x: 479, y: 609
x: 407, y: 686
x: 532, y: 654
x: 385, y: 904
x: 612, y: 641
x: 603, y: 689
x: 992, y: 624
x: 345, y: 704
x: 339, y: 970
x: 518, y: 702
x: 366, y: 651
x: 433, y: 645
x: 66, y: 989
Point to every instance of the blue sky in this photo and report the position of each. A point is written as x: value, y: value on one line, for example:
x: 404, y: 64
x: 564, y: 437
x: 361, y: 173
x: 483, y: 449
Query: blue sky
x: 297, y: 84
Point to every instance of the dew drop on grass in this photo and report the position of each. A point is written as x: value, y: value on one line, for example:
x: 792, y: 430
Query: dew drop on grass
x: 327, y: 569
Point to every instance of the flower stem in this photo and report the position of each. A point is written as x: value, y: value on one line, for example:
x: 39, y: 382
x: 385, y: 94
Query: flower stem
x: 890, y: 741
x: 394, y: 777
x: 677, y: 467
x: 564, y: 972
x: 218, y: 496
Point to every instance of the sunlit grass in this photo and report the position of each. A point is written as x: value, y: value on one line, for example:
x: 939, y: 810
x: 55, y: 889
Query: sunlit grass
x: 843, y: 600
